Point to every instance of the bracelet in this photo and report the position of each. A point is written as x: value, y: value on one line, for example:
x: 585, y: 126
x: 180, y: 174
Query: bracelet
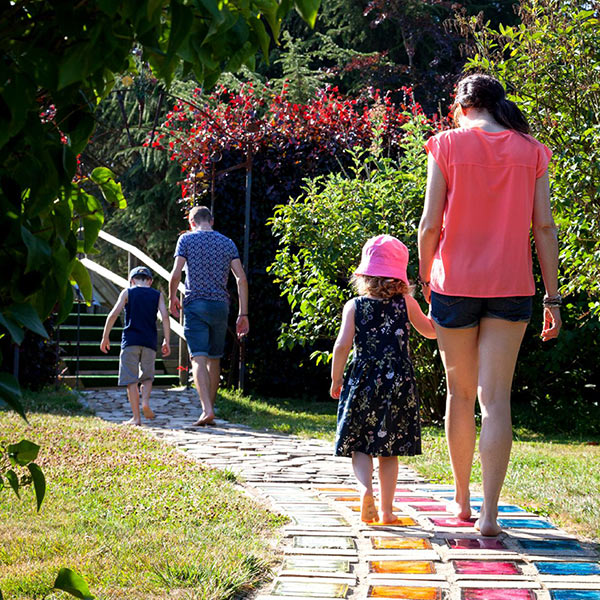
x: 552, y: 301
x: 421, y: 282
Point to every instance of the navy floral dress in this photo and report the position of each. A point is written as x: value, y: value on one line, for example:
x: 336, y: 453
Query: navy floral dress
x: 378, y: 412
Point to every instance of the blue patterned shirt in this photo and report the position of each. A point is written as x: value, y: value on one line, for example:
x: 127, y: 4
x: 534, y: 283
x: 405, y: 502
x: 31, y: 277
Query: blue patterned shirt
x: 208, y: 256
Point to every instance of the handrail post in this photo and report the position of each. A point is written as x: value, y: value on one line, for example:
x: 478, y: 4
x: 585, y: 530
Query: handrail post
x: 182, y: 357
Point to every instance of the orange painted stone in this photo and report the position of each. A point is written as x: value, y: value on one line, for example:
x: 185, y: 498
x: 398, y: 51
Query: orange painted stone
x: 338, y: 489
x: 402, y: 566
x: 354, y: 498
x: 401, y: 522
x: 397, y: 543
x: 402, y: 592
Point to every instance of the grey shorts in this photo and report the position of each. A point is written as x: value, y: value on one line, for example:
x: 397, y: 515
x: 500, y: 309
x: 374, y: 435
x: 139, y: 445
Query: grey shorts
x: 136, y: 364
x: 205, y: 327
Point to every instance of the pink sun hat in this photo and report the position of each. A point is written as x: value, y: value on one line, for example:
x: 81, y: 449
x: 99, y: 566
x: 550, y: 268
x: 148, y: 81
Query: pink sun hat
x: 384, y: 256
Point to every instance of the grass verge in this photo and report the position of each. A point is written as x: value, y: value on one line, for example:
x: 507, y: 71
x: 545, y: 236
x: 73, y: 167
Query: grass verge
x: 134, y: 516
x: 558, y: 477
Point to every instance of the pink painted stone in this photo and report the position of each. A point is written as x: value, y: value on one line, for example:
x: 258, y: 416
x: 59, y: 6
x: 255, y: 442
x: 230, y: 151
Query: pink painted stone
x: 453, y: 522
x: 496, y: 594
x: 486, y: 567
x: 429, y: 507
x: 413, y: 499
x: 476, y: 544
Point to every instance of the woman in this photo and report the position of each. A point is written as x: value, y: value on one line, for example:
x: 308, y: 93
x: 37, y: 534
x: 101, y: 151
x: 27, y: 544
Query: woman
x: 487, y: 185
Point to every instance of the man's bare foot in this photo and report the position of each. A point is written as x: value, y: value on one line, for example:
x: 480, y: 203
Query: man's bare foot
x: 148, y: 412
x: 205, y: 420
x: 132, y: 421
x: 461, y: 511
x: 488, y: 527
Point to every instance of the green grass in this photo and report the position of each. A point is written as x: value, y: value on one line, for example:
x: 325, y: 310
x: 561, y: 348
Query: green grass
x: 134, y: 516
x: 558, y: 477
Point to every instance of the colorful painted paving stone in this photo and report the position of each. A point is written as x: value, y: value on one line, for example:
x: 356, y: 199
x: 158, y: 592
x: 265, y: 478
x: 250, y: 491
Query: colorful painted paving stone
x: 502, y: 508
x: 475, y: 544
x: 339, y: 490
x: 397, y: 543
x: 309, y: 589
x: 568, y: 568
x: 550, y: 545
x: 353, y: 498
x: 399, y: 522
x: 486, y: 567
x: 525, y: 524
x: 473, y: 498
x: 321, y: 564
x: 413, y: 567
x: 356, y: 508
x: 440, y: 490
x: 439, y: 507
x: 402, y: 592
x: 317, y: 541
x: 413, y: 499
x: 497, y: 594
x: 575, y: 594
x: 308, y: 520
x: 452, y: 522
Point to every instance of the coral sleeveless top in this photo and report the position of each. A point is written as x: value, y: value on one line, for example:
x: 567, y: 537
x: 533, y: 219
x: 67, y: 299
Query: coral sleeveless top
x: 484, y: 249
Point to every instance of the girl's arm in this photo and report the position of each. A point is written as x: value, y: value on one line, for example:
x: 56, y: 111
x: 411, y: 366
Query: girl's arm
x: 341, y: 349
x: 420, y: 321
x: 430, y: 226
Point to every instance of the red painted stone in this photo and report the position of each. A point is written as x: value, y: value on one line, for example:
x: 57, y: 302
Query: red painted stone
x: 475, y: 544
x: 497, y: 594
x: 486, y: 567
x: 453, y: 522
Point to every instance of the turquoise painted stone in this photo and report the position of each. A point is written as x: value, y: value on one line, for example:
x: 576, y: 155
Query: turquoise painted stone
x: 568, y: 568
x: 575, y: 594
x: 550, y: 545
x: 525, y: 524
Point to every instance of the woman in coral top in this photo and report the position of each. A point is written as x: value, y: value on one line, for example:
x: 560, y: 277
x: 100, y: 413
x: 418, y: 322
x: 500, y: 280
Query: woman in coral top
x: 487, y: 187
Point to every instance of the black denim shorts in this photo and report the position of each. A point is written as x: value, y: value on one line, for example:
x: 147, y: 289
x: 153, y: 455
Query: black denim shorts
x: 462, y: 312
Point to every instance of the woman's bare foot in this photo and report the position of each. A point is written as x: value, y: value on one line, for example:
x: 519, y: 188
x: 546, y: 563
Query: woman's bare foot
x: 488, y: 527
x: 148, y: 412
x: 460, y: 510
x: 132, y: 421
x: 368, y: 512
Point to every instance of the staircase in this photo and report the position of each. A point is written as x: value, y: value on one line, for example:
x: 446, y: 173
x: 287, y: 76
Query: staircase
x: 96, y: 369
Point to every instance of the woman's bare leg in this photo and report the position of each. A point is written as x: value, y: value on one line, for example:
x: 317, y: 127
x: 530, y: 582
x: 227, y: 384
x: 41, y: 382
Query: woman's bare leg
x: 499, y: 343
x: 388, y: 477
x: 458, y: 348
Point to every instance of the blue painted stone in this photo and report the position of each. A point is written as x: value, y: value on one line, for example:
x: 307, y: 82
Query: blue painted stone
x: 502, y: 508
x: 473, y: 498
x: 445, y: 489
x: 550, y: 545
x: 575, y: 594
x: 525, y: 524
x: 568, y: 568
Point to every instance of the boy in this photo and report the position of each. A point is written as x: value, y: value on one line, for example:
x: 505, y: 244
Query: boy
x: 138, y: 344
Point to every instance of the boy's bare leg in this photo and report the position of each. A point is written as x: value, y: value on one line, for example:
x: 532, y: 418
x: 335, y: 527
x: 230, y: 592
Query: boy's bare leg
x: 388, y: 477
x: 146, y: 389
x: 202, y: 382
x: 133, y: 394
x: 214, y: 373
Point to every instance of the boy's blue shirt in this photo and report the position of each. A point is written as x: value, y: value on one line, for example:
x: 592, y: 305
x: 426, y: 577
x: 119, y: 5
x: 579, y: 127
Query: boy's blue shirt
x: 140, y: 317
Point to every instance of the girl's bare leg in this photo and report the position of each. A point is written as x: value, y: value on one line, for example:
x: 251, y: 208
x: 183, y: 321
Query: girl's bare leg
x: 362, y: 465
x: 388, y: 477
x: 458, y: 348
x: 499, y: 343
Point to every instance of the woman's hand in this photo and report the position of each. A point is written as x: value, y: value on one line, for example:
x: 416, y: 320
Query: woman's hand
x: 336, y: 388
x: 552, y: 323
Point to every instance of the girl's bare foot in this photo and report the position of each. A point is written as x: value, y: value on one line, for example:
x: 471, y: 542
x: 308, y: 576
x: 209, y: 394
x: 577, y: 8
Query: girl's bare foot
x: 368, y: 512
x: 148, y: 412
x: 132, y: 421
x: 460, y: 510
x: 488, y: 527
x: 388, y: 518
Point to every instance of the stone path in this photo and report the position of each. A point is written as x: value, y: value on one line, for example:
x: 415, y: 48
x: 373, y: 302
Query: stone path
x: 329, y: 553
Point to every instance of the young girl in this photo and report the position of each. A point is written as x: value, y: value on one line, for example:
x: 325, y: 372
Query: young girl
x: 378, y: 413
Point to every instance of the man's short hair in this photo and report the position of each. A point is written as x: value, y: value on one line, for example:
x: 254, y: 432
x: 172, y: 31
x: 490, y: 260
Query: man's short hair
x: 201, y: 214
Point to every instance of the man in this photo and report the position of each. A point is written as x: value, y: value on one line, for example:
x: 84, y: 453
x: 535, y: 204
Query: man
x: 207, y: 256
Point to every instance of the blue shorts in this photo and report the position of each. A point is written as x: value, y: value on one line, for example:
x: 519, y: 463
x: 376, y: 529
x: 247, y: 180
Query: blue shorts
x: 462, y: 312
x: 205, y: 327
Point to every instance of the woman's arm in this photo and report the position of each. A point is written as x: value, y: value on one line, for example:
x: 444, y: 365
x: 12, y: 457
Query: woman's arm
x: 546, y: 246
x: 419, y: 320
x: 430, y: 226
x: 341, y: 349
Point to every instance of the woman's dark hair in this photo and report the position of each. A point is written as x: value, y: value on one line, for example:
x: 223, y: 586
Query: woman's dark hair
x: 485, y: 91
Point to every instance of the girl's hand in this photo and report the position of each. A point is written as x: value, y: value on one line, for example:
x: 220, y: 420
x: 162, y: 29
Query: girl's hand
x: 552, y: 323
x: 336, y: 388
x: 426, y: 291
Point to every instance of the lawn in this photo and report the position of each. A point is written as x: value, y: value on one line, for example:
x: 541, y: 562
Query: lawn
x: 554, y: 476
x: 135, y: 517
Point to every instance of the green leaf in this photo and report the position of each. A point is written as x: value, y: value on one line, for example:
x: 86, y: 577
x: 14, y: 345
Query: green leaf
x: 308, y: 10
x: 71, y: 582
x: 13, y: 480
x: 10, y: 393
x: 111, y: 189
x: 74, y: 66
x: 182, y: 19
x: 22, y: 453
x: 80, y: 275
x: 27, y: 316
x: 38, y: 251
x: 16, y: 332
x: 39, y: 483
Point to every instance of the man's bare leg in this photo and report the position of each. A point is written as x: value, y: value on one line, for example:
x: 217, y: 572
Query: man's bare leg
x: 202, y: 382
x: 214, y: 373
x: 133, y: 394
x: 146, y: 388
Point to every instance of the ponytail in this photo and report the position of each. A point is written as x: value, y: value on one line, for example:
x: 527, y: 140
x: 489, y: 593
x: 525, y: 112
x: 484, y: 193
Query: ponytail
x: 508, y: 114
